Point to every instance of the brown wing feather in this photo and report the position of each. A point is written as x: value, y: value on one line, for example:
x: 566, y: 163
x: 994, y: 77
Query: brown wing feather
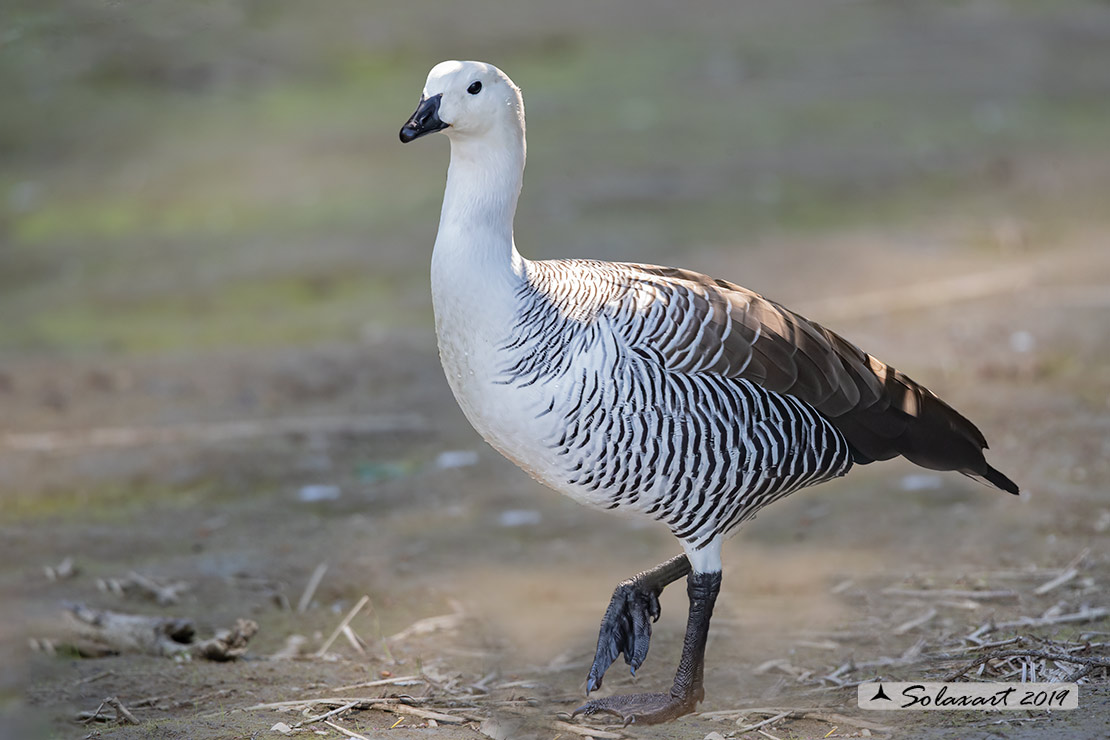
x: 882, y: 412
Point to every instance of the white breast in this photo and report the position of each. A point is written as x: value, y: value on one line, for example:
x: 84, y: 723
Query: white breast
x: 471, y: 327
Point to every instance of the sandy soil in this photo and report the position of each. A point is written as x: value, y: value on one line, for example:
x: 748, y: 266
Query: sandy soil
x: 530, y: 573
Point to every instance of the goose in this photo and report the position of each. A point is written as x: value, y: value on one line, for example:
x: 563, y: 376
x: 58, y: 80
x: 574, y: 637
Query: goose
x: 652, y: 390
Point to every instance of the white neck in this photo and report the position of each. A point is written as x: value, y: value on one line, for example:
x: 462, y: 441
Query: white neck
x: 476, y: 224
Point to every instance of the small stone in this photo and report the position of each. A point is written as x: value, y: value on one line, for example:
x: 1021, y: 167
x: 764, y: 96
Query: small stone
x: 318, y: 492
x: 456, y: 459
x: 282, y: 728
x: 519, y: 517
x: 714, y: 736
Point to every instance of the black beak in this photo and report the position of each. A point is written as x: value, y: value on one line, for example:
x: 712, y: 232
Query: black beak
x: 424, y: 121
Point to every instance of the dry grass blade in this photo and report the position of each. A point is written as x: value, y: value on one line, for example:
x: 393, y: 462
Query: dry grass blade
x: 1009, y: 654
x: 356, y: 642
x: 843, y: 719
x: 781, y: 713
x: 951, y: 593
x: 585, y: 731
x: 385, y: 704
x: 338, y: 630
x: 349, y: 733
x: 306, y: 703
x: 94, y: 677
x: 338, y: 710
x: 310, y: 587
x: 405, y: 709
x: 981, y: 646
x: 1056, y: 582
x: 431, y: 624
x: 1085, y: 614
x: 89, y: 717
x: 738, y: 714
x: 915, y: 622
x: 380, y: 682
x: 768, y: 721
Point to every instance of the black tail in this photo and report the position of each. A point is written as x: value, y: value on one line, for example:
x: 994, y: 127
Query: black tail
x: 1000, y: 480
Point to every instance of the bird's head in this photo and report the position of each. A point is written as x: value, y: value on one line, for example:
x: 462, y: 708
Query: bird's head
x: 464, y: 100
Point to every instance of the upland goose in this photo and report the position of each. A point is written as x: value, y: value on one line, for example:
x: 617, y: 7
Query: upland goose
x: 656, y: 390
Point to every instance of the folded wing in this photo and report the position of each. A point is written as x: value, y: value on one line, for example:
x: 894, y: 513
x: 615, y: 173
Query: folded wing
x: 695, y: 324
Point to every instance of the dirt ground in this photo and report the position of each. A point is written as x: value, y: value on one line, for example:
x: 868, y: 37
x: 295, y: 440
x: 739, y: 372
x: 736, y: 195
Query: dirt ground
x: 218, y: 366
x: 806, y: 584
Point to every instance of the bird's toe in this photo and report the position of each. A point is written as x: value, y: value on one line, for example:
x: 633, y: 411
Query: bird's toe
x: 644, y: 709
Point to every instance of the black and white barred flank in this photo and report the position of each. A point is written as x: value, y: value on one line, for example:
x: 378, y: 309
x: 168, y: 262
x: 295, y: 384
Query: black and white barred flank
x: 696, y: 450
x: 699, y: 402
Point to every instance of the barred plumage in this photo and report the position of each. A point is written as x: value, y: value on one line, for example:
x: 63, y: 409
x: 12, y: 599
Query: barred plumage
x: 648, y: 389
x: 634, y: 422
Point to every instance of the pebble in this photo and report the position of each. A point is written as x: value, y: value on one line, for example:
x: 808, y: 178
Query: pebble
x: 318, y: 492
x: 519, y: 517
x: 456, y: 459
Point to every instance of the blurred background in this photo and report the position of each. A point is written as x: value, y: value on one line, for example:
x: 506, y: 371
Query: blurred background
x: 217, y: 353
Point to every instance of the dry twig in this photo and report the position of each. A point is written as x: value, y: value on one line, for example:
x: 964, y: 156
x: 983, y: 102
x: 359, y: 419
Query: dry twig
x: 310, y: 587
x: 951, y: 593
x: 1085, y: 614
x: 380, y: 682
x: 768, y: 721
x: 586, y: 731
x: 915, y: 622
x: 122, y: 713
x: 163, y: 594
x: 349, y: 733
x: 780, y: 713
x: 1056, y: 582
x: 1004, y: 654
x: 431, y: 624
x: 338, y: 630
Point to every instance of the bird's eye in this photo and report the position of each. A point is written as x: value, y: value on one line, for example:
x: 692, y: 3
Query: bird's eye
x: 475, y: 88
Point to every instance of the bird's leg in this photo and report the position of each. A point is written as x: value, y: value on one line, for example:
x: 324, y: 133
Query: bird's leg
x: 688, y: 688
x: 626, y: 626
